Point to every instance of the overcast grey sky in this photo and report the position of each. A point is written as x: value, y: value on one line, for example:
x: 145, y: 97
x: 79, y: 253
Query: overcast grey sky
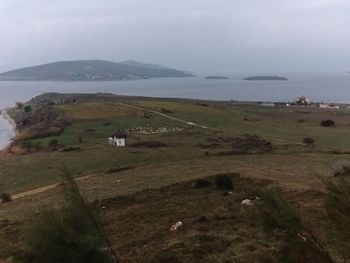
x: 196, y: 35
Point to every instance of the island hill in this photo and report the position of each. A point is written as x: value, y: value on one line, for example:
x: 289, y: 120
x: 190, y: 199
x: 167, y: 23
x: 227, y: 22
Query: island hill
x: 258, y: 78
x: 216, y: 77
x: 91, y: 70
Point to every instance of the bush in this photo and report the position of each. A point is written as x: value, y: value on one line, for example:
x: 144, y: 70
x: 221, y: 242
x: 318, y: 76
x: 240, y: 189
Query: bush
x: 338, y: 210
x: 53, y: 144
x: 224, y: 182
x: 201, y: 183
x: 327, y: 123
x: 69, y: 234
x: 27, y: 109
x: 5, y: 198
x: 149, y: 144
x: 342, y: 169
x: 309, y: 142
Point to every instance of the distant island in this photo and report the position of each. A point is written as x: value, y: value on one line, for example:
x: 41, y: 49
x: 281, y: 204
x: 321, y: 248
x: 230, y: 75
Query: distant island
x: 91, y: 70
x: 256, y: 78
x: 216, y: 77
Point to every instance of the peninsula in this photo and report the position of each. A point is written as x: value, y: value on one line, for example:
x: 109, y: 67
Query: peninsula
x: 91, y: 70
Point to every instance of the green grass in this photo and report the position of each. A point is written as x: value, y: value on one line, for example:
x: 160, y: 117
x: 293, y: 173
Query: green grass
x: 24, y: 172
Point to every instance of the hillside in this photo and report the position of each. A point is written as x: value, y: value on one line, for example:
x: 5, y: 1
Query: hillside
x: 91, y: 70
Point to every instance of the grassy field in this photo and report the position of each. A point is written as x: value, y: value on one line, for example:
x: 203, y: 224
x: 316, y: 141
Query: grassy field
x: 281, y: 126
x: 188, y: 153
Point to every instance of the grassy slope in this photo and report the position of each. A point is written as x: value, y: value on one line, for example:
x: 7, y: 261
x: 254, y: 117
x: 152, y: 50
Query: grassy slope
x: 291, y: 166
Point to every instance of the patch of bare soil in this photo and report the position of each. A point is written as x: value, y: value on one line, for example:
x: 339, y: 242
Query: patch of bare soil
x: 214, y: 223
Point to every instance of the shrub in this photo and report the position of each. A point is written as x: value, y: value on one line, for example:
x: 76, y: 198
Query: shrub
x: 5, y: 198
x: 342, y: 169
x: 166, y: 111
x: 149, y: 144
x: 201, y: 183
x: 71, y: 233
x: 71, y: 149
x: 338, y: 210
x: 19, y: 105
x: 27, y: 109
x: 53, y: 143
x: 27, y: 145
x: 309, y: 142
x: 327, y: 123
x: 224, y: 182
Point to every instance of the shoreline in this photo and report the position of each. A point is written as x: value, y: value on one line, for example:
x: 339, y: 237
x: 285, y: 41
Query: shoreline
x: 4, y: 114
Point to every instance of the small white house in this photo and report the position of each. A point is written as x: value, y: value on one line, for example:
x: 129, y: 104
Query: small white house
x: 118, y: 139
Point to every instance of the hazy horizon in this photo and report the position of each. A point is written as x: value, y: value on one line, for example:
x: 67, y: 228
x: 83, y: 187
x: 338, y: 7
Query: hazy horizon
x: 198, y: 36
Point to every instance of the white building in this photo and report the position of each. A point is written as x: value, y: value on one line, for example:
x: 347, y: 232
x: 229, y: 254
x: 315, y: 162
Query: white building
x: 328, y: 106
x: 118, y: 139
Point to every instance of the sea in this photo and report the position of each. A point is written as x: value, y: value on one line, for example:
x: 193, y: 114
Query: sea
x: 318, y: 86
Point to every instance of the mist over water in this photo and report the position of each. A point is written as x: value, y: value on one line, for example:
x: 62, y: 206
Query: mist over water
x: 320, y: 87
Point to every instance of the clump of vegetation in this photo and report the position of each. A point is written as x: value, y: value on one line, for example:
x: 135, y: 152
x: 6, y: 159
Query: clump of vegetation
x: 71, y: 149
x: 281, y: 220
x: 342, y: 169
x: 165, y: 111
x: 338, y: 210
x: 201, y: 183
x: 53, y: 144
x: 253, y: 143
x: 71, y: 233
x: 5, y: 198
x: 27, y: 144
x: 27, y: 109
x: 19, y: 105
x: 224, y: 182
x: 327, y: 123
x: 148, y: 144
x: 119, y: 169
x: 309, y: 142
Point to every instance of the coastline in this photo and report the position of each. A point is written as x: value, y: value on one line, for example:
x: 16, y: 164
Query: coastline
x: 12, y: 131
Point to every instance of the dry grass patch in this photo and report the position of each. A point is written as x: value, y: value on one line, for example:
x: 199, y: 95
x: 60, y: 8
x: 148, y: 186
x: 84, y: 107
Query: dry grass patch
x: 96, y: 110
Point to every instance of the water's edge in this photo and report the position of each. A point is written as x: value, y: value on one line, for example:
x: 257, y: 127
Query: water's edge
x: 8, y: 132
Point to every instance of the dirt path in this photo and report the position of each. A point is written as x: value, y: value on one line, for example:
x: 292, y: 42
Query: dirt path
x: 46, y: 188
x: 168, y: 117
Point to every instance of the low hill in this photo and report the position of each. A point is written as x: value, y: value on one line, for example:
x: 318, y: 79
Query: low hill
x: 216, y: 77
x: 91, y: 70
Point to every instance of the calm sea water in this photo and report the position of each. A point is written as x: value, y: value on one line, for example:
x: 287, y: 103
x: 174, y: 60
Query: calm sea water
x: 325, y: 86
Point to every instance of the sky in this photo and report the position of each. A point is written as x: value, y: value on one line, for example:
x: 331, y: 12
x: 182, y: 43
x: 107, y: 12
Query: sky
x: 195, y: 35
